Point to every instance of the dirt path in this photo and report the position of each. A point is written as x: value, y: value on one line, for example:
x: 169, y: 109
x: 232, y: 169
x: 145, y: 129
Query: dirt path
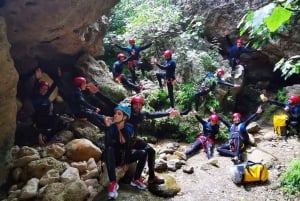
x: 214, y: 183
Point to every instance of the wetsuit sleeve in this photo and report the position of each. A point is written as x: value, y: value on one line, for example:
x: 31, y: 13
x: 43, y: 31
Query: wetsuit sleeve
x: 223, y: 82
x: 274, y: 102
x: 154, y: 115
x: 84, y: 103
x: 226, y: 123
x: 200, y: 119
x: 247, y: 50
x: 121, y: 47
x: 250, y: 118
x: 145, y: 47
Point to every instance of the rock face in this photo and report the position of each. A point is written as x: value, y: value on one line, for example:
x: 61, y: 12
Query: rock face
x: 43, y: 29
x: 8, y: 106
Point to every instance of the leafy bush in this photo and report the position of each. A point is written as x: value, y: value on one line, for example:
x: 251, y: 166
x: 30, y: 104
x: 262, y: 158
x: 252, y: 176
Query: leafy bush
x: 282, y: 95
x: 290, y: 180
x: 158, y: 100
x: 184, y: 97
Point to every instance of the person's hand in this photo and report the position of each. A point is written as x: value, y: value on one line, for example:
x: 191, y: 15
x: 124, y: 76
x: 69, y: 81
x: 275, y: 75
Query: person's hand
x: 98, y: 110
x: 212, y: 110
x: 174, y: 113
x: 113, y: 42
x: 259, y: 49
x: 195, y: 112
x: 236, y: 85
x: 41, y: 140
x: 125, y: 167
x: 107, y: 121
x: 263, y: 98
x: 216, y: 136
x: 38, y: 73
x: 287, y: 109
x: 226, y: 32
x: 153, y: 61
x: 59, y: 72
x: 259, y: 110
x: 92, y: 88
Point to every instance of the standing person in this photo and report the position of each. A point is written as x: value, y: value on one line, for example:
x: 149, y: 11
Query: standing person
x: 169, y: 67
x: 209, y: 83
x: 118, y: 150
x: 137, y: 117
x: 133, y: 52
x: 47, y: 123
x: 119, y: 76
x: 235, y: 51
x: 292, y: 108
x: 239, y: 136
x: 206, y: 139
x: 81, y: 108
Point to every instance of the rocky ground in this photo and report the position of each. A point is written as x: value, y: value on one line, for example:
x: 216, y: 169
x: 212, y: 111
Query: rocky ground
x: 213, y: 182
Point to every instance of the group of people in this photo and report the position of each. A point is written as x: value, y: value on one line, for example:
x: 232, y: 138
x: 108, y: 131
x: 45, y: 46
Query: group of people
x: 122, y: 144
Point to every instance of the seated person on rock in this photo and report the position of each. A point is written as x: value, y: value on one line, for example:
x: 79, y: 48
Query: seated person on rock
x: 137, y: 117
x: 46, y: 123
x: 239, y: 137
x: 118, y: 150
x: 206, y: 140
x: 292, y: 108
x: 81, y: 108
x: 120, y: 77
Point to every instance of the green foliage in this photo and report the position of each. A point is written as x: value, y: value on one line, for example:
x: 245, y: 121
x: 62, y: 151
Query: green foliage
x: 184, y: 97
x: 158, y: 100
x: 290, y: 180
x: 289, y: 66
x: 188, y: 130
x: 212, y: 101
x: 265, y: 24
x: 223, y: 134
x: 282, y: 95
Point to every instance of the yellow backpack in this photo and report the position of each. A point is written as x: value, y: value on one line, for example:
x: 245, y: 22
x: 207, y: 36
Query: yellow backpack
x: 279, y: 123
x: 249, y: 172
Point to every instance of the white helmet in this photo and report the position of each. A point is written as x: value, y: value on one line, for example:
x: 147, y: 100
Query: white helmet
x: 237, y: 173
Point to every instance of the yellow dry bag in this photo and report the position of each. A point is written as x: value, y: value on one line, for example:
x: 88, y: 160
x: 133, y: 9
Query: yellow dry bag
x: 279, y: 123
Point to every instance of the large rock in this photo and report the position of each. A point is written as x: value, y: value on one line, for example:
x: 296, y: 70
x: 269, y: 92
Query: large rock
x: 48, y: 28
x: 8, y: 106
x: 82, y: 150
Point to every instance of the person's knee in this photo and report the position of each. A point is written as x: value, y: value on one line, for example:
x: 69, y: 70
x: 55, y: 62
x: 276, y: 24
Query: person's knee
x: 150, y: 151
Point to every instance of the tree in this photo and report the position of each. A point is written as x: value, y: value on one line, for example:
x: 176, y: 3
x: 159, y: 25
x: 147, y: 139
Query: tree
x: 265, y: 25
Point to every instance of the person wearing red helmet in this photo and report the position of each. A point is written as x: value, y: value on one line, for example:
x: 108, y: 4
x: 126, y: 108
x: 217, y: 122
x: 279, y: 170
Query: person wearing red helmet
x: 169, y: 67
x: 205, y: 141
x: 137, y: 117
x: 239, y: 136
x: 133, y: 52
x: 292, y: 108
x: 209, y: 83
x: 120, y: 77
x: 235, y: 52
x: 47, y: 124
x: 80, y: 108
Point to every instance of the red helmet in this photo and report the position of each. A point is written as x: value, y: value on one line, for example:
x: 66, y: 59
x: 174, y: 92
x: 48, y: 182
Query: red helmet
x: 239, y: 40
x: 168, y: 53
x: 214, y: 118
x: 120, y: 55
x: 220, y: 71
x: 137, y: 99
x: 294, y: 99
x: 78, y: 81
x: 44, y: 83
x: 236, y: 115
x: 131, y: 41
